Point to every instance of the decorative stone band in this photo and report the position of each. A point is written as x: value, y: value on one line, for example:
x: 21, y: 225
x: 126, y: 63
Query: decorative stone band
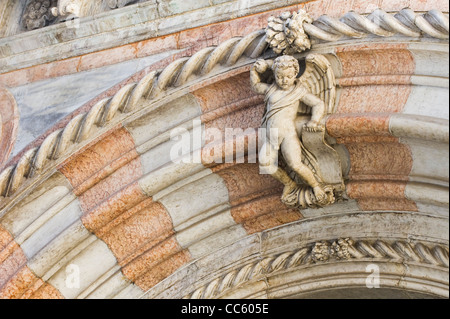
x: 179, y: 72
x: 322, y: 252
x: 379, y: 23
x: 126, y: 100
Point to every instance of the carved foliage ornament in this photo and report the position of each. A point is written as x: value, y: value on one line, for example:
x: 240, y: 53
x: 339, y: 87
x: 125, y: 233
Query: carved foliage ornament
x: 342, y: 249
x: 38, y: 14
x: 286, y: 35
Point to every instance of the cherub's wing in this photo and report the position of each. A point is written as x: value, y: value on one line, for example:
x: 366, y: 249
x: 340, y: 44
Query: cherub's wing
x: 319, y: 79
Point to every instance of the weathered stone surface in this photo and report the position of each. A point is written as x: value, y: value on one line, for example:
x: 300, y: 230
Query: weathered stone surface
x: 101, y: 197
x: 9, y: 123
x: 39, y: 109
x: 122, y: 26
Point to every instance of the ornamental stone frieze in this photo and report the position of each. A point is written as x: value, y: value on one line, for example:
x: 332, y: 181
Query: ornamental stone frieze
x: 292, y: 261
x: 333, y: 252
x: 318, y: 78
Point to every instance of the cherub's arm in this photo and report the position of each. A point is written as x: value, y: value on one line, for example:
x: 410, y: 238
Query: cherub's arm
x: 318, y: 111
x: 257, y: 69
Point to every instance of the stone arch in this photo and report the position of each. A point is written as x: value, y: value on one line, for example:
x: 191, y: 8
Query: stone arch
x: 103, y: 193
x: 307, y: 259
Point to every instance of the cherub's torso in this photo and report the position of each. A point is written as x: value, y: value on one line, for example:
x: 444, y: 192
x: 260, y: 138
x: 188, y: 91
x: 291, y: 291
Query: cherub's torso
x: 290, y: 105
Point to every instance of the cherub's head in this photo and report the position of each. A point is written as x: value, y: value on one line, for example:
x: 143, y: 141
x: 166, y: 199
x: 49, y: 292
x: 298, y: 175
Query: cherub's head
x: 285, y: 69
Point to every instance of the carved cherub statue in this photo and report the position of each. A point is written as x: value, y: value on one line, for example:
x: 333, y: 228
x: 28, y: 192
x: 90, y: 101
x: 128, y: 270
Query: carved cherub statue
x: 285, y: 99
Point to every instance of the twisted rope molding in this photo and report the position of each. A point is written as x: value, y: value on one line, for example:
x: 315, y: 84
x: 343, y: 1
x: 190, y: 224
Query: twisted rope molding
x: 406, y: 22
x: 324, y: 251
x: 126, y: 100
x: 178, y: 73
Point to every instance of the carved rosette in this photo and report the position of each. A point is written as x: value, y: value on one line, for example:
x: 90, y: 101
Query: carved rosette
x: 320, y: 251
x: 38, y: 14
x: 338, y: 249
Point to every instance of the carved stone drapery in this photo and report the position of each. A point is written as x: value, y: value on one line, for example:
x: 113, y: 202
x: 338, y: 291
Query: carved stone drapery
x: 286, y: 35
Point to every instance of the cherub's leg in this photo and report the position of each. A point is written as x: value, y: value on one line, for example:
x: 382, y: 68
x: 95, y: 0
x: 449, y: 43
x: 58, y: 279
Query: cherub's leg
x: 292, y: 153
x: 268, y: 164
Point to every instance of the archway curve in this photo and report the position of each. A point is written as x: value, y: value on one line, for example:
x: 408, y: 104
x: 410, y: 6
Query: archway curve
x: 115, y: 204
x: 306, y: 258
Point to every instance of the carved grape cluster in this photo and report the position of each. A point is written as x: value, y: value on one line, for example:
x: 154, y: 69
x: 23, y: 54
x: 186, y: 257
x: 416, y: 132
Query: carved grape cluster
x: 339, y: 249
x: 285, y: 34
